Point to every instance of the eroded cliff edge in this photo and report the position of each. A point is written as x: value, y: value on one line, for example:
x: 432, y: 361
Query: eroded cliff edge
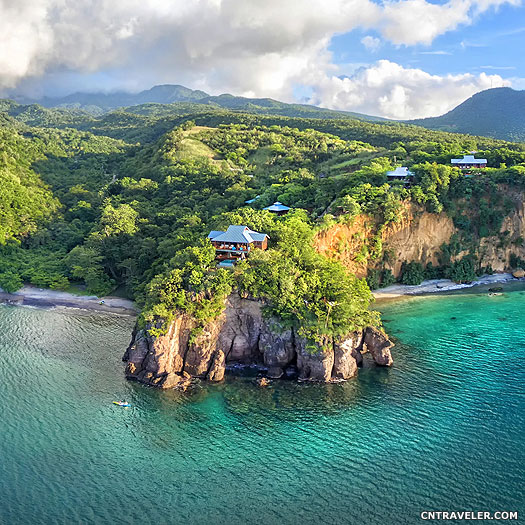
x: 242, y: 335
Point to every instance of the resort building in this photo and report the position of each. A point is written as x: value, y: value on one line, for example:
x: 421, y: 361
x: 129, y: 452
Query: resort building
x: 400, y: 174
x: 236, y: 243
x: 251, y: 201
x: 278, y: 208
x: 468, y: 162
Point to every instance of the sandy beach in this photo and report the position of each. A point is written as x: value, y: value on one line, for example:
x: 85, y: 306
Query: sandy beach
x: 441, y: 285
x: 44, y: 298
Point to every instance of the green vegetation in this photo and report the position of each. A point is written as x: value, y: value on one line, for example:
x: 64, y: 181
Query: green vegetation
x: 497, y: 112
x: 127, y: 200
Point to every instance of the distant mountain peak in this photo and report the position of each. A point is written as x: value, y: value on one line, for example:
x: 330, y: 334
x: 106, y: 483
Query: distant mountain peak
x: 496, y: 112
x: 99, y: 103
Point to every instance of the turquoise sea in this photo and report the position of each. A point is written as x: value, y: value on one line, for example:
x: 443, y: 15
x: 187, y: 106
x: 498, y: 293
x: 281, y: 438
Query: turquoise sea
x: 441, y: 430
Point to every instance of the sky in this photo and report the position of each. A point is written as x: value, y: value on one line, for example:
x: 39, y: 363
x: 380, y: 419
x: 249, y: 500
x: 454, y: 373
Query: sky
x: 398, y: 59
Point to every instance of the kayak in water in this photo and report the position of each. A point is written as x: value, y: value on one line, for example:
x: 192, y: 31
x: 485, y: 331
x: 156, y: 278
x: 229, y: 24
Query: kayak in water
x: 121, y: 403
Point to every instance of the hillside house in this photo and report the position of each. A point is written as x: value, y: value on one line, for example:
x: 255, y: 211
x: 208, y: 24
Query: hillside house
x: 278, y: 208
x: 468, y: 162
x: 236, y: 243
x: 402, y: 174
x: 251, y: 201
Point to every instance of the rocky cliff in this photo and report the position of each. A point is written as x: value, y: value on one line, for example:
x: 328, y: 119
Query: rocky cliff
x: 418, y: 236
x: 241, y: 335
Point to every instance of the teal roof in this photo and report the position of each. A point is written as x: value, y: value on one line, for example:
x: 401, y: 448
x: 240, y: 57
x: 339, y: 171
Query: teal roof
x: 237, y: 234
x: 251, y: 201
x: 468, y: 159
x: 400, y: 172
x: 277, y: 206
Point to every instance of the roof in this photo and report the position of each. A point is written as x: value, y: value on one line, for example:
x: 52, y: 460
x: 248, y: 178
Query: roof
x: 468, y: 159
x: 400, y: 172
x: 251, y: 201
x: 237, y: 234
x: 214, y: 233
x: 277, y: 206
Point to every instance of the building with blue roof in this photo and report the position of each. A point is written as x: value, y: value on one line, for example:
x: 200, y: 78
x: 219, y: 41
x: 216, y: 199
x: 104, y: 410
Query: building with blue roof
x: 251, y: 201
x: 236, y: 242
x: 469, y: 162
x: 401, y: 173
x: 278, y: 207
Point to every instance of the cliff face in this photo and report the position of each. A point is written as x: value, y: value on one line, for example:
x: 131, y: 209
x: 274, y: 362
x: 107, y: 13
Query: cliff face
x: 418, y: 236
x: 242, y: 335
x: 497, y: 254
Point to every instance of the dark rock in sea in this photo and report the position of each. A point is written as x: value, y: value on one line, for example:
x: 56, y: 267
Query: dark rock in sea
x: 275, y: 372
x: 496, y: 289
x: 291, y: 372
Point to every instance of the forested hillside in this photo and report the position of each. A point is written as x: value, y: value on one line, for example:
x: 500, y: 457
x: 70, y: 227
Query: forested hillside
x: 498, y: 113
x: 126, y: 201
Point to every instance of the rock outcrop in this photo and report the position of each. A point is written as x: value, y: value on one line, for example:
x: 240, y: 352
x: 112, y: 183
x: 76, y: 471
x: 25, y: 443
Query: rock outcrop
x: 241, y: 335
x: 377, y: 343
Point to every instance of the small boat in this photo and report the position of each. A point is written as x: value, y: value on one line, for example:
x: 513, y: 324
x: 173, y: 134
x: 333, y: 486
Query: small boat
x: 121, y: 403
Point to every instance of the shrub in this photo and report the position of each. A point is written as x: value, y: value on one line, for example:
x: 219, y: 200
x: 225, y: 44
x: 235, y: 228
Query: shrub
x: 412, y: 273
x: 10, y: 281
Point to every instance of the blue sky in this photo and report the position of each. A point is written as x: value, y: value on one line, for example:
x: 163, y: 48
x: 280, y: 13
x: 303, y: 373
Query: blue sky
x: 394, y: 58
x: 494, y: 43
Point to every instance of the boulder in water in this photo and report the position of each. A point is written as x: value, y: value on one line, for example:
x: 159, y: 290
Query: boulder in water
x: 377, y: 343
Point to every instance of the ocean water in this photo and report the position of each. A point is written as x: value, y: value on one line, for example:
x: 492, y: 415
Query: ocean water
x: 441, y: 430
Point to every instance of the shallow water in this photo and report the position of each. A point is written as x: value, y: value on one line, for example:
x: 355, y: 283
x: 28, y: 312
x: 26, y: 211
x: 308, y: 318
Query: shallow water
x: 441, y: 430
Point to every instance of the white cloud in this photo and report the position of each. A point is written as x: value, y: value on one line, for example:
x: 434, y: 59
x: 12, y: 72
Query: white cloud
x: 503, y: 68
x: 247, y: 47
x: 437, y: 52
x: 390, y: 90
x: 371, y: 43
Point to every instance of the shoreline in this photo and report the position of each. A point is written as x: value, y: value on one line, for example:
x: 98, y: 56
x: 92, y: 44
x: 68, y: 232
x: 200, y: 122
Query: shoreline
x: 435, y: 286
x: 44, y: 298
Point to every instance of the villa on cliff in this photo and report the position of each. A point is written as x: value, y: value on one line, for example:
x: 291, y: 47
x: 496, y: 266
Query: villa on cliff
x: 468, y: 162
x: 236, y: 243
x: 400, y: 174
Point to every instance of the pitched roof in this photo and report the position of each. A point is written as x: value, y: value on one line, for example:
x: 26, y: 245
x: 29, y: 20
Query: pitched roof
x: 237, y: 234
x: 251, y: 201
x: 468, y: 159
x: 400, y: 172
x: 214, y: 233
x: 277, y: 206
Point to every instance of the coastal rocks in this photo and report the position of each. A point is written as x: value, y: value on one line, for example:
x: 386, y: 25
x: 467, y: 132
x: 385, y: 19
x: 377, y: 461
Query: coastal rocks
x: 347, y: 356
x: 240, y: 336
x: 377, y: 343
x: 218, y: 367
x: 152, y: 360
x: 241, y: 326
x: 519, y: 274
x: 177, y: 381
x: 275, y: 372
x: 202, y: 351
x: 277, y: 347
x: 315, y: 363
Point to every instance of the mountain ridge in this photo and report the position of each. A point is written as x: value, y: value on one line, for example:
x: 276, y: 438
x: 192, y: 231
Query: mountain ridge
x: 497, y: 113
x: 100, y: 103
